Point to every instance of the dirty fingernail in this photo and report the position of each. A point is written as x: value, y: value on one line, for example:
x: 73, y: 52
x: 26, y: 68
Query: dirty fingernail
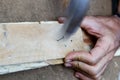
x: 68, y: 65
x: 77, y: 75
x: 61, y: 19
x: 67, y: 60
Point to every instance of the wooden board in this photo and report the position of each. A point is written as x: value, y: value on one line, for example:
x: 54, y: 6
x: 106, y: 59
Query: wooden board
x: 21, y: 43
x: 31, y: 45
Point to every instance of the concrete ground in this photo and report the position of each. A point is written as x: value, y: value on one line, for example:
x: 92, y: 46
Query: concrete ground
x: 59, y: 72
x: 39, y: 10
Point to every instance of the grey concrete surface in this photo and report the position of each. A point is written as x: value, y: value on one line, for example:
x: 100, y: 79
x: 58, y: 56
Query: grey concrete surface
x: 59, y: 72
x: 39, y: 10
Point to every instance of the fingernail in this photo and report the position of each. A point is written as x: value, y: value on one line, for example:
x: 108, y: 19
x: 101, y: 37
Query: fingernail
x: 68, y: 65
x: 67, y: 60
x: 77, y: 75
x: 61, y: 19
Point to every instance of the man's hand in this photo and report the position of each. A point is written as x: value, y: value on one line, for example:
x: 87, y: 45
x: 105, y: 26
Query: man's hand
x: 91, y: 65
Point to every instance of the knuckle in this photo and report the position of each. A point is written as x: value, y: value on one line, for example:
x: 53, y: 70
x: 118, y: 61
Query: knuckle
x: 93, y: 61
x: 110, y: 58
x: 96, y: 77
x: 76, y: 65
x: 94, y: 71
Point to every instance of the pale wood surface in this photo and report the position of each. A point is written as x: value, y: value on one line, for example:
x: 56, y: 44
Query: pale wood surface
x: 32, y: 42
x: 36, y: 45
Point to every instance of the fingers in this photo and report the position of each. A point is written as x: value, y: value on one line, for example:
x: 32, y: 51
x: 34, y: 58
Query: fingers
x: 61, y: 19
x: 94, y: 56
x: 87, y: 24
x: 101, y: 72
x: 93, y: 63
x: 90, y: 69
x: 101, y: 48
x: 93, y: 71
x: 90, y: 24
x: 83, y: 76
x: 82, y: 56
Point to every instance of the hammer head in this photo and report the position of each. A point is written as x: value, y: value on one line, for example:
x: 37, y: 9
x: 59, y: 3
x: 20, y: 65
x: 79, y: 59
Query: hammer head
x: 76, y: 11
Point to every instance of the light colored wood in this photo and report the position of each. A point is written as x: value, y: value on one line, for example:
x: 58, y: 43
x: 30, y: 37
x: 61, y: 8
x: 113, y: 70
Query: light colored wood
x: 31, y: 45
x: 22, y: 42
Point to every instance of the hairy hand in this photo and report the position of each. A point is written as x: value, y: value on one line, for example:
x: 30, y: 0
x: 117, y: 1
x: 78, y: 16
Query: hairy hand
x: 91, y: 65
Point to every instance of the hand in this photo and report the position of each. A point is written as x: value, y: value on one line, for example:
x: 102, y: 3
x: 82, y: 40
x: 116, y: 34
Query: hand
x: 91, y: 65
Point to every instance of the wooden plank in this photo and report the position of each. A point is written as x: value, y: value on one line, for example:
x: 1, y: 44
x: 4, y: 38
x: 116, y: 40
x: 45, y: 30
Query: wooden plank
x: 31, y: 45
x: 27, y: 66
x: 21, y: 43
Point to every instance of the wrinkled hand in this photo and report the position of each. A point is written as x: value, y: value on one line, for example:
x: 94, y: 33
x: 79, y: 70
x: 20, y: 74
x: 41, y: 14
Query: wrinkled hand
x: 91, y: 65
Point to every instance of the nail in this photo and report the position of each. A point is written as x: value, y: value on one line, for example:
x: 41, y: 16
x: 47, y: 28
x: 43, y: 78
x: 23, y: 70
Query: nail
x: 77, y: 75
x: 68, y: 65
x: 68, y: 60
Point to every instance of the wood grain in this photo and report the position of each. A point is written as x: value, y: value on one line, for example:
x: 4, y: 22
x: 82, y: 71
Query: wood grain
x: 31, y: 45
x: 21, y: 43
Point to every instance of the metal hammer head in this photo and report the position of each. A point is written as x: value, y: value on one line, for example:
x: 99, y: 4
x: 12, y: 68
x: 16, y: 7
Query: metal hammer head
x: 76, y: 11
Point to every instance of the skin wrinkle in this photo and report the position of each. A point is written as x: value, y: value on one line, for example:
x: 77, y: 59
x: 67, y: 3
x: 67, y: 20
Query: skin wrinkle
x: 95, y: 31
x: 78, y: 68
x: 80, y: 57
x: 106, y: 29
x: 99, y: 45
x: 96, y: 76
x: 78, y: 73
x: 89, y: 61
x: 92, y: 69
x: 108, y: 21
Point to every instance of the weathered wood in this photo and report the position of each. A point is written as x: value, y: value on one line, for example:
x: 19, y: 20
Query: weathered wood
x: 21, y: 43
x: 39, y: 10
x: 35, y: 45
x: 30, y: 45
